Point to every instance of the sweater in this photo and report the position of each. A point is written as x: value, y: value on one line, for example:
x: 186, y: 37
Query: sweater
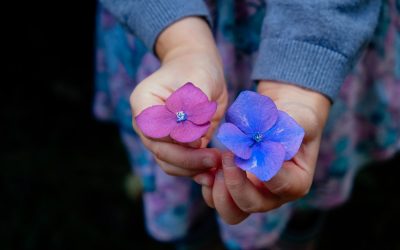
x: 309, y: 43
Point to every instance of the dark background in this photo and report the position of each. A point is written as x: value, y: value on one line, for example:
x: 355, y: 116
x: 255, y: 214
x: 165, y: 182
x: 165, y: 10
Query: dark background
x: 65, y: 178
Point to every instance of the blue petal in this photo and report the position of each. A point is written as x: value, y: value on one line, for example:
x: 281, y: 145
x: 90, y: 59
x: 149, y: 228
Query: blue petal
x: 265, y: 161
x: 252, y: 112
x: 287, y: 132
x: 235, y: 140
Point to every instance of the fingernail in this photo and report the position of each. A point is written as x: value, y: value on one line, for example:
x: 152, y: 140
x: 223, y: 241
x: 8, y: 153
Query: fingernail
x: 201, y: 180
x: 209, y: 162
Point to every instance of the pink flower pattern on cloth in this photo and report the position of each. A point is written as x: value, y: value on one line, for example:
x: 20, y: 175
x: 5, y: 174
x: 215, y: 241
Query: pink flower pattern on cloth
x: 185, y: 117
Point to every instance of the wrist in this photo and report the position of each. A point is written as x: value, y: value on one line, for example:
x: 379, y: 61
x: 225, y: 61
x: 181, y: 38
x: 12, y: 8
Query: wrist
x: 186, y: 36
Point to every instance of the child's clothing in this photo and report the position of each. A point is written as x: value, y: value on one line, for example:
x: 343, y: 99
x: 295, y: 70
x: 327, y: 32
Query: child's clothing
x: 306, y: 42
x: 364, y: 122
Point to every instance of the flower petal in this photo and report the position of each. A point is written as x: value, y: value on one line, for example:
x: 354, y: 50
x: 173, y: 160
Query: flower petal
x: 287, y: 132
x: 156, y: 121
x: 235, y: 140
x: 265, y: 162
x: 187, y: 131
x: 252, y: 112
x: 202, y: 113
x: 185, y: 98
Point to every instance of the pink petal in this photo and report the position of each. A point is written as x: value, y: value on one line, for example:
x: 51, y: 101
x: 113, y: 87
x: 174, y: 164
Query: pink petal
x: 202, y: 113
x: 185, y: 98
x: 187, y: 131
x: 156, y: 121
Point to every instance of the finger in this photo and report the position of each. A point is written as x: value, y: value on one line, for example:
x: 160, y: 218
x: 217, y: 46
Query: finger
x: 204, y: 179
x: 176, y: 171
x: 246, y: 196
x: 207, y: 181
x: 223, y: 202
x: 207, y: 196
x: 184, y: 157
x: 290, y: 183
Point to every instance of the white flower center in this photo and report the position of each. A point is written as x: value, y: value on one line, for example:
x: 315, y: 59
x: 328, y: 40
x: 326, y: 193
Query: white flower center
x: 181, y: 116
x: 258, y: 137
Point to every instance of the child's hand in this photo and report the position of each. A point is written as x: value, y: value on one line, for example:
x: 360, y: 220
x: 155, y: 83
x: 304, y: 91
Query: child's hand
x: 188, y: 54
x: 236, y: 194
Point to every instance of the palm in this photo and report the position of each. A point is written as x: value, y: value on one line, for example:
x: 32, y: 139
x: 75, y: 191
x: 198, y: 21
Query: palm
x: 155, y: 89
x: 204, y: 72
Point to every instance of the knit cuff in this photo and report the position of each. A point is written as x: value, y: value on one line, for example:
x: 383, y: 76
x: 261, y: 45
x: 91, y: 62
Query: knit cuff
x: 303, y: 64
x: 156, y: 15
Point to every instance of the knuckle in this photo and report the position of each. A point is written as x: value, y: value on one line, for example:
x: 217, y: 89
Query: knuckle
x: 157, y: 151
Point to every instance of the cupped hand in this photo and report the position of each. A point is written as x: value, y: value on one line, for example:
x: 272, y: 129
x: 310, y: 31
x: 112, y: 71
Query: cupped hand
x: 235, y: 194
x: 183, y: 60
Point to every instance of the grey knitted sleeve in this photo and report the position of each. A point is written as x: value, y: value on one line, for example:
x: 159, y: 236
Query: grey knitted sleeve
x: 314, y: 43
x: 148, y: 18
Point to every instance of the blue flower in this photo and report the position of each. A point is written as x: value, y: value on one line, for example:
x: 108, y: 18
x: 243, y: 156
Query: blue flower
x: 261, y: 136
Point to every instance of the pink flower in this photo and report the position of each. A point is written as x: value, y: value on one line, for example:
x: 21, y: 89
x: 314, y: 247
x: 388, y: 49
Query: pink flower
x: 185, y: 117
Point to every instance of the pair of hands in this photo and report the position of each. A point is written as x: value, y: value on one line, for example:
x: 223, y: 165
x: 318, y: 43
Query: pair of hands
x: 188, y: 53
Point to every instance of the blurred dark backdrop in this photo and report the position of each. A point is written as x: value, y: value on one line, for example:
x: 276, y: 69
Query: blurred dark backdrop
x: 64, y: 177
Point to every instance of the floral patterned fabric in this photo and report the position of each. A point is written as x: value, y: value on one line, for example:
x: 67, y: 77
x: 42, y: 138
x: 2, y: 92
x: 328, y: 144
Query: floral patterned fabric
x: 364, y: 123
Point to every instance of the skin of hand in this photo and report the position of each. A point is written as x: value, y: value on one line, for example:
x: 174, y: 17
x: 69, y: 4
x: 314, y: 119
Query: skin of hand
x: 187, y: 53
x: 236, y: 194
